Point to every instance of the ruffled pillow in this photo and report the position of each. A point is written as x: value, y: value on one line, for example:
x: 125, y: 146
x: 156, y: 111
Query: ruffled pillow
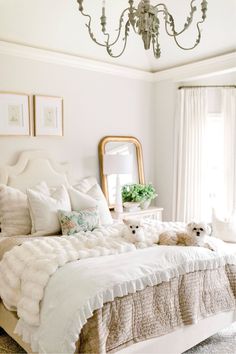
x: 76, y: 221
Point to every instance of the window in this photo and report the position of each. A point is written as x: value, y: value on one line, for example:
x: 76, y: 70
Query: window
x: 215, y: 160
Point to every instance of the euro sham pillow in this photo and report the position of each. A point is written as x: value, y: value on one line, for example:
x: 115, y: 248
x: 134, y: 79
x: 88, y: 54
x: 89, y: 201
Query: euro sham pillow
x: 92, y: 198
x: 83, y: 220
x: 224, y: 228
x: 43, y: 210
x: 14, y: 211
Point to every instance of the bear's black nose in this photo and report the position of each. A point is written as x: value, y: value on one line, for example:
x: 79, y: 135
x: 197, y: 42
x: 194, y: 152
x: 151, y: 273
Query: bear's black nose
x: 198, y: 233
x: 133, y: 231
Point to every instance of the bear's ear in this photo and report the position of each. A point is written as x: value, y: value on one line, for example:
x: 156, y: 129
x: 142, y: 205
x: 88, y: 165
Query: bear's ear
x: 126, y: 222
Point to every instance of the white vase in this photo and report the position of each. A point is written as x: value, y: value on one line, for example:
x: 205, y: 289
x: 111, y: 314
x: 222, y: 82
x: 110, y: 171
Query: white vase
x: 145, y: 204
x: 131, y: 206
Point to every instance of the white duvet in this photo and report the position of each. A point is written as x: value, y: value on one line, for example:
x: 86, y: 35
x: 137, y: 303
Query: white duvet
x: 78, y: 288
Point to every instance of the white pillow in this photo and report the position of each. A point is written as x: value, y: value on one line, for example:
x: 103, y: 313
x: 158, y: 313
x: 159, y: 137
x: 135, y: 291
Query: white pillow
x: 80, y: 200
x: 104, y: 211
x: 43, y: 210
x: 94, y: 197
x: 86, y: 183
x: 224, y: 228
x: 14, y: 211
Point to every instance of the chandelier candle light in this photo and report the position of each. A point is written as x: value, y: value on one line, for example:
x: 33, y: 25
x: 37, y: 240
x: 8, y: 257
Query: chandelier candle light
x: 145, y: 21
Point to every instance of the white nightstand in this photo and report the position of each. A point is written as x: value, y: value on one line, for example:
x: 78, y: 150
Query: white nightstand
x: 153, y: 213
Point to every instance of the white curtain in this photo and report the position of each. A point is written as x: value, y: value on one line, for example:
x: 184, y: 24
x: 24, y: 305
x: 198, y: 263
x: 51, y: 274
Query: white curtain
x: 190, y: 182
x: 229, y: 116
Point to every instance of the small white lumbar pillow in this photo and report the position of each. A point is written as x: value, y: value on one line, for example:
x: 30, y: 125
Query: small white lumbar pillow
x: 224, y: 228
x: 92, y: 198
x: 44, y: 207
x: 14, y: 211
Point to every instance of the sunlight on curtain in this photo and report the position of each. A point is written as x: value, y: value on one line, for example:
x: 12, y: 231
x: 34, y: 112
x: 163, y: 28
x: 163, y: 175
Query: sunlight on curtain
x: 215, y: 162
x: 190, y: 170
x: 229, y: 114
x: 205, y: 153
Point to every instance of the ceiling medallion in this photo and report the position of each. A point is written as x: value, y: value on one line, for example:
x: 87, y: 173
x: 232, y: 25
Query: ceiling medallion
x: 145, y: 21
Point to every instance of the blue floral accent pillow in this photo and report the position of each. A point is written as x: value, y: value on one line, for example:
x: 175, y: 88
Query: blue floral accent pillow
x: 76, y: 221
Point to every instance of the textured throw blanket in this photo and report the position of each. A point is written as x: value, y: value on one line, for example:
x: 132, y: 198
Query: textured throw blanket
x: 25, y: 270
x: 7, y: 243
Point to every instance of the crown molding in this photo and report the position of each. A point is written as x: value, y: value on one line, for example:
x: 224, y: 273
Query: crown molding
x: 204, y: 68
x: 207, y: 67
x: 73, y: 61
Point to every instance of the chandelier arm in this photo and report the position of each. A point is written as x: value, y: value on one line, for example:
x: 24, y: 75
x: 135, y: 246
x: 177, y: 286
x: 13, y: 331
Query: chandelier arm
x: 88, y: 25
x: 106, y: 44
x: 171, y: 22
x: 197, y: 40
x: 109, y: 51
x: 119, y: 29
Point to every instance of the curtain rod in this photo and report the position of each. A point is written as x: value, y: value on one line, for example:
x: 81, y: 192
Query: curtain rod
x: 182, y: 87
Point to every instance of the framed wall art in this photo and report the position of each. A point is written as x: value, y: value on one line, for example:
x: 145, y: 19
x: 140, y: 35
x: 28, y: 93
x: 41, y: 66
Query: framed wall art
x: 14, y: 114
x: 48, y: 115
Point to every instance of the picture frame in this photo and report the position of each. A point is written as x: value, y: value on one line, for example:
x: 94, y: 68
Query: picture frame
x: 48, y: 116
x: 14, y: 114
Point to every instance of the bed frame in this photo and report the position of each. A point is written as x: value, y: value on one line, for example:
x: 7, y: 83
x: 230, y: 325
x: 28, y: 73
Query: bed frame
x: 35, y: 166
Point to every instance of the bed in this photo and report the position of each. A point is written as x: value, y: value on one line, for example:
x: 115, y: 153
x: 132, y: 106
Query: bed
x: 33, y: 167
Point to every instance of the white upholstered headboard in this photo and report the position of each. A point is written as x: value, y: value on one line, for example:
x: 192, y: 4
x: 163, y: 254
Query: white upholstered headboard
x: 36, y: 166
x: 33, y: 167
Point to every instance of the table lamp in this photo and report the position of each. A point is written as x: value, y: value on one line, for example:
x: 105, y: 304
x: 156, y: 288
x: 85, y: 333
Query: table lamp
x: 117, y: 164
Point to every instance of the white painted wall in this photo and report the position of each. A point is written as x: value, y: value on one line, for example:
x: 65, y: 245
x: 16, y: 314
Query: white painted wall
x: 99, y: 104
x: 95, y: 105
x: 165, y: 103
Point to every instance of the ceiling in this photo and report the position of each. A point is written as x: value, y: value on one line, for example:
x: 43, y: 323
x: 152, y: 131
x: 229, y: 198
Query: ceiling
x: 57, y: 25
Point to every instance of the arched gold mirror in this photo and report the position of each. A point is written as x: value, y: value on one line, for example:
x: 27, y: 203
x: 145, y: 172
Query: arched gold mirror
x: 119, y: 155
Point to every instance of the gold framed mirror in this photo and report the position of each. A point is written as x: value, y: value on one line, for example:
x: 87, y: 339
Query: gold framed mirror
x: 125, y: 158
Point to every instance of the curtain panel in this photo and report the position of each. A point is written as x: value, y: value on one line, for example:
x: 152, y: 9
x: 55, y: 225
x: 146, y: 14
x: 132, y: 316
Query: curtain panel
x: 190, y: 180
x: 229, y: 116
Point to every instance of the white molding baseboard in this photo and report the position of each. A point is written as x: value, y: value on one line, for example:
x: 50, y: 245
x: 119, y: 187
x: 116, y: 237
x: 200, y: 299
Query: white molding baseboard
x: 208, y: 67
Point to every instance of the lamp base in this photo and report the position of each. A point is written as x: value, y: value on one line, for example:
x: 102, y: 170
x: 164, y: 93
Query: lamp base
x: 118, y: 205
x: 118, y: 209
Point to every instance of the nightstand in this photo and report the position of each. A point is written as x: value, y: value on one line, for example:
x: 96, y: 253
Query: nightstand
x: 153, y: 213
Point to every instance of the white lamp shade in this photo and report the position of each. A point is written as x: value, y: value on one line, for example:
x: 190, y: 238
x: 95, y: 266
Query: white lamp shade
x: 117, y: 164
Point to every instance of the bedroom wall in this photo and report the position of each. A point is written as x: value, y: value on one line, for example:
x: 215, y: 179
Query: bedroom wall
x: 165, y: 103
x: 95, y: 105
